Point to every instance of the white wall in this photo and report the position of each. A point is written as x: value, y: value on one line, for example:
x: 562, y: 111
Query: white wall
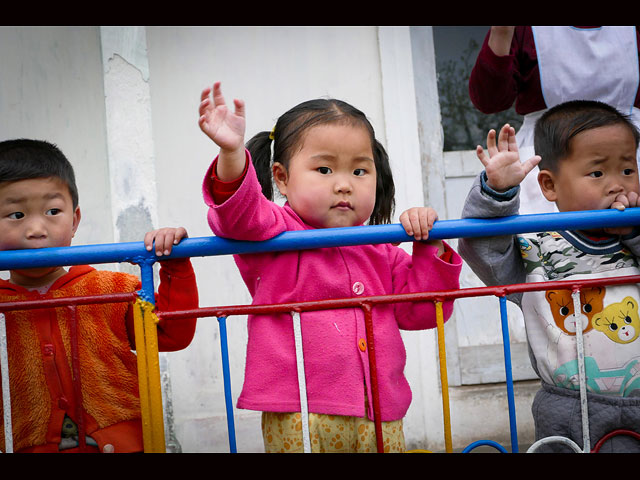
x: 51, y: 89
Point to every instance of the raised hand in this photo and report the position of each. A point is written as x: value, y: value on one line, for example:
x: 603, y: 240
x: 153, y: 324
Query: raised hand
x: 502, y: 164
x: 226, y: 129
x: 218, y: 122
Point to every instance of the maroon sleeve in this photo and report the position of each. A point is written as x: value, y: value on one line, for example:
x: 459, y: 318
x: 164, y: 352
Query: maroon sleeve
x: 497, y: 82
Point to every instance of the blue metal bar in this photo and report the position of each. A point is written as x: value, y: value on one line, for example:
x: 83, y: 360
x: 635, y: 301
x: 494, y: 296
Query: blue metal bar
x: 508, y: 371
x: 479, y: 443
x: 222, y: 321
x: 147, y: 292
x: 318, y: 238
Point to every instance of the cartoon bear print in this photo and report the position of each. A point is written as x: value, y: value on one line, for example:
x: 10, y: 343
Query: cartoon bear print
x: 561, y: 304
x: 619, y: 321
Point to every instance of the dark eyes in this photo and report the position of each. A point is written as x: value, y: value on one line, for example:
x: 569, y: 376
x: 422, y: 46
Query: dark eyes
x: 625, y: 172
x: 358, y: 172
x: 19, y: 215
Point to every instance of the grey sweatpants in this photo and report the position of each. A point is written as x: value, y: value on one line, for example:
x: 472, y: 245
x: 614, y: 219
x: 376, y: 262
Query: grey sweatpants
x: 556, y: 411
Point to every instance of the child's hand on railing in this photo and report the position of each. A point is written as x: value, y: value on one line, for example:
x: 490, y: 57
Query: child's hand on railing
x: 165, y: 239
x: 502, y: 165
x: 418, y: 221
x: 622, y: 201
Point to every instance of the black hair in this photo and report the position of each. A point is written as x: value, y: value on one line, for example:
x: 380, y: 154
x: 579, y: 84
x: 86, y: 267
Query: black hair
x: 288, y: 134
x: 23, y: 159
x: 556, y: 128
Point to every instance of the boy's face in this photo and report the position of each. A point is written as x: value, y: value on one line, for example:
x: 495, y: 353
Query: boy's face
x: 601, y: 165
x: 36, y: 213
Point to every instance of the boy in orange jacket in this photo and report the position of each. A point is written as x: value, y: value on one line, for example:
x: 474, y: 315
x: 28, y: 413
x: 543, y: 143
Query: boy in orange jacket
x: 38, y: 209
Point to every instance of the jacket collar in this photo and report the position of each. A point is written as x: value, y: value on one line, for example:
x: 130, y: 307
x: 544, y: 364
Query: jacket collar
x: 8, y: 288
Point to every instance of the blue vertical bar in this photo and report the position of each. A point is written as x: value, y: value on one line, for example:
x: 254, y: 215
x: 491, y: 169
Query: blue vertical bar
x: 222, y: 322
x: 147, y: 292
x: 507, y: 367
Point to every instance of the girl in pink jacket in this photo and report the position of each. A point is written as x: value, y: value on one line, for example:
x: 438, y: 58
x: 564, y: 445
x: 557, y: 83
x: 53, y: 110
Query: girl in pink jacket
x: 323, y: 157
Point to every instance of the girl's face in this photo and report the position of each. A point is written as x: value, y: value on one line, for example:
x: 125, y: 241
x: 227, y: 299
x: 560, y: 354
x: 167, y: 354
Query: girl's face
x: 331, y: 180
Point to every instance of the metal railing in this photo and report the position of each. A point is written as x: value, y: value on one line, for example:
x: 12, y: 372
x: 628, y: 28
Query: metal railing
x: 146, y: 318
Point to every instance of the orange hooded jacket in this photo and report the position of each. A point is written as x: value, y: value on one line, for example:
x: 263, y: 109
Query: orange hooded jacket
x: 40, y: 372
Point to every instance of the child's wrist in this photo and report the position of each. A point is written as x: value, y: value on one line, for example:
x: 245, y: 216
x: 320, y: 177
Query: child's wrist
x: 230, y: 164
x: 507, y: 194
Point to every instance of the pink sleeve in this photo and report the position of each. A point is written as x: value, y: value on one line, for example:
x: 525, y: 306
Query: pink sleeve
x: 222, y: 191
x: 424, y: 271
x: 247, y: 214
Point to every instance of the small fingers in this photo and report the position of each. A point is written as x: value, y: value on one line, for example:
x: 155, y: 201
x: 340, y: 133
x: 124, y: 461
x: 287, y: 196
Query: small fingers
x: 491, y: 143
x: 531, y: 163
x: 148, y: 240
x: 621, y: 202
x: 239, y: 108
x: 206, y: 92
x: 512, y: 141
x: 164, y: 239
x: 482, y: 155
x: 503, y: 138
x: 218, y: 98
x: 418, y: 221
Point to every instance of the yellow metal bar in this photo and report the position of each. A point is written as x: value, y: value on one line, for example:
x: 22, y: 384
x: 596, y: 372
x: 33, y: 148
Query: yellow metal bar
x: 149, y: 377
x: 443, y: 378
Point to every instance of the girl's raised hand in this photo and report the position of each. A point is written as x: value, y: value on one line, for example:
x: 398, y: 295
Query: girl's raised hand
x: 502, y: 165
x: 224, y: 127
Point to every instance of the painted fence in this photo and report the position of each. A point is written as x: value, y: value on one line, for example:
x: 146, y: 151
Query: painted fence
x: 146, y: 318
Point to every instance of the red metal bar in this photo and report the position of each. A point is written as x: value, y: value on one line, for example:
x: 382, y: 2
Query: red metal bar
x: 77, y: 386
x: 615, y: 433
x: 66, y: 301
x: 226, y: 311
x: 373, y: 374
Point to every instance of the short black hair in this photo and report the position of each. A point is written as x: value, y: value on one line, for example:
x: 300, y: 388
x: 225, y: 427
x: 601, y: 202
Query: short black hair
x: 556, y: 128
x: 287, y: 137
x: 22, y: 159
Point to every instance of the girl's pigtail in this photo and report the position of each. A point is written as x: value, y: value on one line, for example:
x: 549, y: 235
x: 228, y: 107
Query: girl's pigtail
x: 385, y: 188
x: 260, y: 148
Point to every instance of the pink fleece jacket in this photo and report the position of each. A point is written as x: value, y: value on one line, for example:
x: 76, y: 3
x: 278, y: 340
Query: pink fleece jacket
x: 337, y: 368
